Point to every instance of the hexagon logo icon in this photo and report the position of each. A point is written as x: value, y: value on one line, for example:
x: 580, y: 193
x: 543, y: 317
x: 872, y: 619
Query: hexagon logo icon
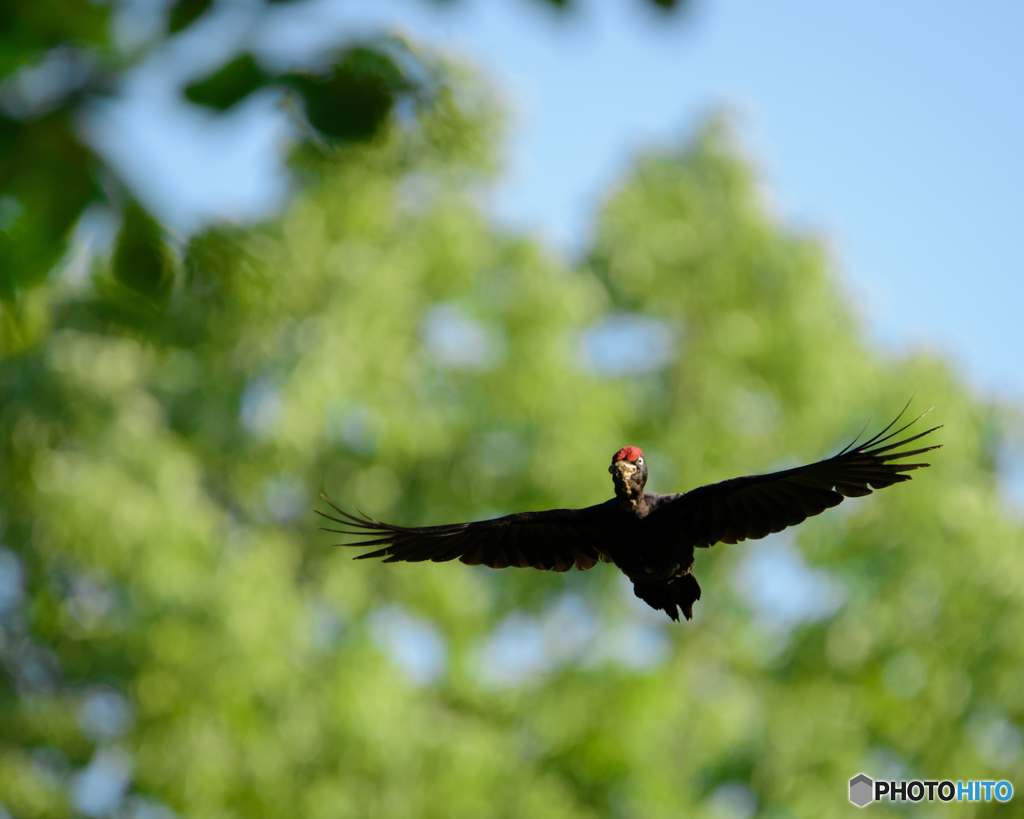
x: 862, y: 790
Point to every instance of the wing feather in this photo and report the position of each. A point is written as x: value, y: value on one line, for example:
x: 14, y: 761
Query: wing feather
x: 562, y: 549
x: 557, y: 539
x: 451, y: 550
x: 493, y: 555
x: 536, y: 557
x: 757, y: 505
x: 790, y: 504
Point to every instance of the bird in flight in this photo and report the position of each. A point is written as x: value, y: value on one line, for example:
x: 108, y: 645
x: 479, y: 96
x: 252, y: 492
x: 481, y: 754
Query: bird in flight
x: 650, y: 537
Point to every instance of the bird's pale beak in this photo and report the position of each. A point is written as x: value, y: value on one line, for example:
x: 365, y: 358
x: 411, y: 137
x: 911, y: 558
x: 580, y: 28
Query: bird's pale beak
x: 622, y: 469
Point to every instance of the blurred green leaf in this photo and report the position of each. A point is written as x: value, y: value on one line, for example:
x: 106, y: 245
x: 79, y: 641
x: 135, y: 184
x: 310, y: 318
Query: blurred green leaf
x: 28, y: 28
x: 37, y: 158
x: 185, y: 12
x: 229, y: 85
x: 142, y: 261
x: 352, y: 101
x: 211, y: 260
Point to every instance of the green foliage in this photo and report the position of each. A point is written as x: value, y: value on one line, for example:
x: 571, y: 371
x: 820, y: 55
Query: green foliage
x: 185, y: 12
x: 141, y: 261
x: 40, y: 153
x: 229, y: 85
x: 30, y: 27
x: 37, y: 158
x: 133, y: 293
x: 354, y: 99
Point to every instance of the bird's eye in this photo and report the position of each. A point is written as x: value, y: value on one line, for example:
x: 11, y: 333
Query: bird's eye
x: 639, y: 461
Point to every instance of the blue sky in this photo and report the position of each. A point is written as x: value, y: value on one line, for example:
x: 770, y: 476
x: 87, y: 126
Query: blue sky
x: 893, y: 130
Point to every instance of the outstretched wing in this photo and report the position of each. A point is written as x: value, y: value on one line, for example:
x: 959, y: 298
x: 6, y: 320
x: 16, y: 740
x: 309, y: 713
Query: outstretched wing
x: 758, y: 505
x: 555, y: 540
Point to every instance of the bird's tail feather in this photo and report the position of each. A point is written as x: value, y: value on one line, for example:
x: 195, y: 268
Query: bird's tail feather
x: 670, y: 596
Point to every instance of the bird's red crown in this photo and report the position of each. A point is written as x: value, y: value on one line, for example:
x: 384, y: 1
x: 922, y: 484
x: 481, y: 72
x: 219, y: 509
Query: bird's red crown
x: 628, y: 453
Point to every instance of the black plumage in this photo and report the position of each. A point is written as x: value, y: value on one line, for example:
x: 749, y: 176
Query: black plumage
x: 650, y: 537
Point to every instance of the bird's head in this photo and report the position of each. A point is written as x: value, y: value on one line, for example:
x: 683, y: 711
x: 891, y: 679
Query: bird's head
x: 629, y: 471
